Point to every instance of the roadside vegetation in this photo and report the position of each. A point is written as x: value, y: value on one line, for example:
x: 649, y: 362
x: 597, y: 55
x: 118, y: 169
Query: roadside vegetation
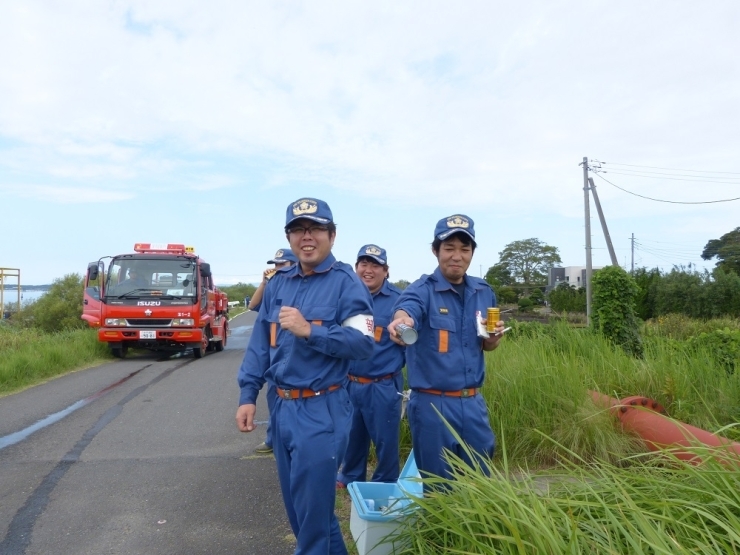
x: 565, y: 478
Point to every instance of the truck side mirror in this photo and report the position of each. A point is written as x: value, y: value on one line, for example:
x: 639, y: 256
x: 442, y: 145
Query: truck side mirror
x: 205, y: 269
x: 92, y: 271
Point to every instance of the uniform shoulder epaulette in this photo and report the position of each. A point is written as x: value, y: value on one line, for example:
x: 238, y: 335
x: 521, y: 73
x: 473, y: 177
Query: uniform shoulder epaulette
x: 344, y: 267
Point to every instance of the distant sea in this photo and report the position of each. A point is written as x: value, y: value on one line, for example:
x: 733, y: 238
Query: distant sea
x: 11, y: 296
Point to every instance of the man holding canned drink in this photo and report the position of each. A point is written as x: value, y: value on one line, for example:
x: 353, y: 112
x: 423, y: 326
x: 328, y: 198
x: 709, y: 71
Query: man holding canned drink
x: 446, y: 365
x: 375, y: 383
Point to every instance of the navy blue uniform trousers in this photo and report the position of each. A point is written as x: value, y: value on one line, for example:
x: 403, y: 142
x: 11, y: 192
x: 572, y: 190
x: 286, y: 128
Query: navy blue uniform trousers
x: 309, y: 438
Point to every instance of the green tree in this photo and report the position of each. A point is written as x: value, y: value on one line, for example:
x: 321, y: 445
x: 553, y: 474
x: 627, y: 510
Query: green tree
x: 239, y: 291
x: 59, y: 309
x: 567, y: 298
x: 402, y: 284
x: 681, y: 292
x: 613, y: 308
x: 647, y: 283
x: 726, y: 249
x: 506, y: 295
x: 499, y: 275
x: 529, y: 261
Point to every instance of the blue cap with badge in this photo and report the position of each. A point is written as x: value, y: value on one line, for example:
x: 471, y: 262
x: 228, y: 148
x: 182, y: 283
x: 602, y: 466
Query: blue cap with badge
x: 459, y: 223
x: 374, y: 252
x: 283, y: 255
x: 309, y: 208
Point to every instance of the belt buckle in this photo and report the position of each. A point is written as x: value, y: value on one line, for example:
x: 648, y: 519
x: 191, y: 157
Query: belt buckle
x: 287, y: 393
x: 464, y: 393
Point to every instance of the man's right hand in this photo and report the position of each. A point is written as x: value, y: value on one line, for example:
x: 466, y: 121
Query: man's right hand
x: 400, y: 317
x: 245, y: 417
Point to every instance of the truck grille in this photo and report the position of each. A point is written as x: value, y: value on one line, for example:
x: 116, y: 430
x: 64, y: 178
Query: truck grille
x: 149, y: 322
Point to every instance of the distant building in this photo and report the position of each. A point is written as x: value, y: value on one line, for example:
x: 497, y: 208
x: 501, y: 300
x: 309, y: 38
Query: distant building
x: 575, y: 276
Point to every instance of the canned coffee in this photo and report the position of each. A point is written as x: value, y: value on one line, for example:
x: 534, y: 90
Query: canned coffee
x: 494, y: 315
x: 407, y: 334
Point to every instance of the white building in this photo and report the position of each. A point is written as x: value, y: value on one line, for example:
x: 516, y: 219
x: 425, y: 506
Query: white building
x: 575, y: 276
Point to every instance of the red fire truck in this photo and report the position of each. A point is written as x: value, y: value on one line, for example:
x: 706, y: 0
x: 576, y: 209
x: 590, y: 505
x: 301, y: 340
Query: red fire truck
x: 161, y: 297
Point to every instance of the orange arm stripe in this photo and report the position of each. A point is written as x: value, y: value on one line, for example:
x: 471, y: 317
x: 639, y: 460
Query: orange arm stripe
x: 378, y: 333
x: 273, y: 334
x: 316, y: 322
x: 443, y: 339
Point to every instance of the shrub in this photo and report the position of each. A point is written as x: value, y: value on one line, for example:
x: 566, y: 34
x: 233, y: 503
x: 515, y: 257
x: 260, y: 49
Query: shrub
x: 614, y: 293
x: 59, y: 309
x: 525, y: 304
x: 723, y: 346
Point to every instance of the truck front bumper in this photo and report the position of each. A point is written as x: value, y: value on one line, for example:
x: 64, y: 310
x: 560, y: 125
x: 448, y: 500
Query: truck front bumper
x: 151, y: 335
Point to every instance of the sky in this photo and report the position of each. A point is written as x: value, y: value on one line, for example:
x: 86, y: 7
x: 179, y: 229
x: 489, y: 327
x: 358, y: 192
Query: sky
x: 199, y: 122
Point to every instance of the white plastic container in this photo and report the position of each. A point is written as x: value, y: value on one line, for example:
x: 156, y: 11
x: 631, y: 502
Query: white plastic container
x: 378, y: 507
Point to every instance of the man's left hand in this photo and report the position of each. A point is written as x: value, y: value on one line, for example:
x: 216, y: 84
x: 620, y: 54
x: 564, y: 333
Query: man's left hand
x: 293, y: 321
x: 492, y: 342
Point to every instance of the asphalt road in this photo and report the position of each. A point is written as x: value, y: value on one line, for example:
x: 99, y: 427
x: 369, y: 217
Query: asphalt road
x: 139, y: 456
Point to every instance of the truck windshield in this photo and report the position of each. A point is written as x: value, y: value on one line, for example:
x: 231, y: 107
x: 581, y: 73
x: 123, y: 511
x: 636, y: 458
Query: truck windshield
x: 132, y: 277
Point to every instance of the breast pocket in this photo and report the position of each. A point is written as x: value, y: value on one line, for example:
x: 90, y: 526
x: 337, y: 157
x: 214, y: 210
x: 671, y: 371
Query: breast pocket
x: 319, y: 315
x: 274, y: 319
x: 443, y: 330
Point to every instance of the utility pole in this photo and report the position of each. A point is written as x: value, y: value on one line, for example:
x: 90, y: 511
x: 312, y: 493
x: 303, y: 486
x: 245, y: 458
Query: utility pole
x: 603, y: 223
x: 588, y: 240
x: 632, y: 270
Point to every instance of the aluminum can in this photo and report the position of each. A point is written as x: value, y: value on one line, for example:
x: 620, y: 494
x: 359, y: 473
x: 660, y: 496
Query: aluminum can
x: 271, y: 272
x: 407, y: 334
x: 494, y: 315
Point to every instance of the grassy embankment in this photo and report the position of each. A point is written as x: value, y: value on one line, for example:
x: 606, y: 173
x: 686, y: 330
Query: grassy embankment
x: 606, y: 497
x: 28, y: 356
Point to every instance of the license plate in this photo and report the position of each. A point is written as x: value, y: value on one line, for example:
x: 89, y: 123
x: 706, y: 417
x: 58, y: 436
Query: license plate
x: 147, y: 335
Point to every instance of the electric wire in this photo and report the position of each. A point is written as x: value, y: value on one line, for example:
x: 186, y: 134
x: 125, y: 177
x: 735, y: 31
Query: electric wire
x: 665, y: 176
x: 662, y: 200
x: 661, y: 168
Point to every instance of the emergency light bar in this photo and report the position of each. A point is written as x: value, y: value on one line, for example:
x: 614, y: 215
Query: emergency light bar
x: 166, y: 248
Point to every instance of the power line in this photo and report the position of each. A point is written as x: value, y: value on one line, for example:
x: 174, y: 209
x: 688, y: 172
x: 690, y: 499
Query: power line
x: 660, y: 168
x: 662, y: 200
x: 676, y: 177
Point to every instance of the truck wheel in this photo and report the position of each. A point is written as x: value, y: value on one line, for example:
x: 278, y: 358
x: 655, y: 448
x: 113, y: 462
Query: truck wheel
x: 119, y: 352
x: 199, y: 351
x: 221, y: 344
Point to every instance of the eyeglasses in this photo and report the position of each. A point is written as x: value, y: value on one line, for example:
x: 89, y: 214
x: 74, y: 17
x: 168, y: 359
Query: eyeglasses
x: 300, y: 231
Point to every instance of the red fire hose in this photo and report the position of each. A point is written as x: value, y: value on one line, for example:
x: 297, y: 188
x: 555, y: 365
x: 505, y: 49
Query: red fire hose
x: 646, y: 418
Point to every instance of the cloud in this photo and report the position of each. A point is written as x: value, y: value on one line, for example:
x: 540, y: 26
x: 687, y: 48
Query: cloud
x: 64, y: 195
x: 416, y: 106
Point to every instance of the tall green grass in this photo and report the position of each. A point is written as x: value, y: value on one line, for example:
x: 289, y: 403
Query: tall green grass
x: 538, y: 384
x: 580, y: 507
x: 28, y: 356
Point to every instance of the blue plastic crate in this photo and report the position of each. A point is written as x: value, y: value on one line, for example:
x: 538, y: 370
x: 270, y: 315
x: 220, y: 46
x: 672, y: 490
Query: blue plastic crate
x: 377, y: 508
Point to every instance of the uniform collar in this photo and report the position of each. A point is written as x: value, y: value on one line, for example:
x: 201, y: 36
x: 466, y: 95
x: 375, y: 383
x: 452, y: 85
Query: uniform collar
x: 384, y: 289
x: 324, y: 266
x: 442, y: 284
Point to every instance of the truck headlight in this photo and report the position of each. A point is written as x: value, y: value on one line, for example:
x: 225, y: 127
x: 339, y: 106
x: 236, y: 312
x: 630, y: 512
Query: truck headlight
x: 115, y: 322
x: 189, y: 322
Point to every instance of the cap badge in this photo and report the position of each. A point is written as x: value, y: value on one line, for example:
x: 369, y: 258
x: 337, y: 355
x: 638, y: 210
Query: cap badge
x: 305, y: 206
x: 279, y: 253
x: 372, y: 249
x: 458, y: 221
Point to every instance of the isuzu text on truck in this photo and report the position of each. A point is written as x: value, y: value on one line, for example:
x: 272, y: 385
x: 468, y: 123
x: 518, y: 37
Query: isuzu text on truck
x: 160, y: 298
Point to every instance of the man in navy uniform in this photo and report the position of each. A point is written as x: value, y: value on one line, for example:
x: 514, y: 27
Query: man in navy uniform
x: 375, y: 383
x: 316, y: 315
x: 282, y: 259
x: 446, y: 366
